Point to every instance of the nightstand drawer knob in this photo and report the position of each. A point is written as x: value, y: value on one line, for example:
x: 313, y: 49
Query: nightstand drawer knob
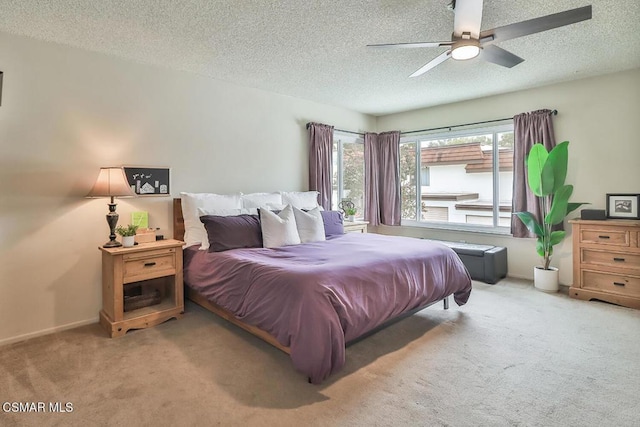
x: 618, y: 283
x: 149, y: 264
x: 619, y: 259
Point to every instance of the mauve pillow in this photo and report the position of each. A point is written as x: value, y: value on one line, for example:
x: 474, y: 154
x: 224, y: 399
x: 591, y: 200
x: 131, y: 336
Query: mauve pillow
x: 232, y: 232
x: 332, y: 222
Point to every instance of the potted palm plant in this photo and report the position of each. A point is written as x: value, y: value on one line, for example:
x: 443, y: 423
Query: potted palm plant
x: 128, y: 234
x: 546, y: 173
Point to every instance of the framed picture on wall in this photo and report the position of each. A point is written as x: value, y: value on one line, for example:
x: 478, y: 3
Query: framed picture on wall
x: 148, y: 181
x: 623, y: 206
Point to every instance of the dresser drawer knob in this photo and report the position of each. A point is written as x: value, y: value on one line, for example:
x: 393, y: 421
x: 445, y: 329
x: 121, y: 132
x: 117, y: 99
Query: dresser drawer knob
x: 618, y: 283
x: 149, y: 264
x: 619, y: 259
x: 604, y: 237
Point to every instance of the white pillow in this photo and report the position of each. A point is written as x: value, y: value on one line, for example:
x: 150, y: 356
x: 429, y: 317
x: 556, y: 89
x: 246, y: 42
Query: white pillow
x: 226, y: 212
x: 257, y: 200
x: 310, y: 225
x: 194, y: 231
x: 274, y: 206
x: 300, y: 199
x: 279, y: 230
x: 222, y: 212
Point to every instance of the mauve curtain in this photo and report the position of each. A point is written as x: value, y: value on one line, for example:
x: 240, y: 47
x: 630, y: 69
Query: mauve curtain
x: 529, y: 129
x: 320, y: 161
x: 382, y: 178
x: 389, y: 179
x: 371, y: 182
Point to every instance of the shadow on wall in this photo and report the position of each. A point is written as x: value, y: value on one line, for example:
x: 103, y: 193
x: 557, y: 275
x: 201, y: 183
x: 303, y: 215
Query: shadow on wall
x: 77, y: 290
x: 33, y: 195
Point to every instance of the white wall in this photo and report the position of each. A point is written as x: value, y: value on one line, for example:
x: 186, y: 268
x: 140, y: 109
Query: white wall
x: 65, y: 112
x: 599, y: 116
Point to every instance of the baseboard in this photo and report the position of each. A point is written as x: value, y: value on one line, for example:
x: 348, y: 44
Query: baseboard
x: 562, y: 288
x: 7, y: 341
x: 517, y: 276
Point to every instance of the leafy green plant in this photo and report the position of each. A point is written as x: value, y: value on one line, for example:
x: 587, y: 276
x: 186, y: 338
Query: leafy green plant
x: 350, y: 211
x: 546, y: 173
x: 129, y: 230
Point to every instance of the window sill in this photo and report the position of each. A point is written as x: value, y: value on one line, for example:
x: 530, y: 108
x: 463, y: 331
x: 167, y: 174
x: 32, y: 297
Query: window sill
x: 500, y: 231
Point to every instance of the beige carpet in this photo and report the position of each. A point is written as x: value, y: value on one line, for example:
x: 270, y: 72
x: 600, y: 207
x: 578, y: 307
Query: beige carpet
x: 512, y: 356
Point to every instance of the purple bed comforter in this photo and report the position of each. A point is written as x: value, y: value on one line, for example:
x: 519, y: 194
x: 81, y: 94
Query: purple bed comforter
x: 315, y: 297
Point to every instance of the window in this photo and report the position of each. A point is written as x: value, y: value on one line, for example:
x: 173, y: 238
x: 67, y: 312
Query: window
x: 348, y: 171
x: 465, y: 179
x: 424, y: 175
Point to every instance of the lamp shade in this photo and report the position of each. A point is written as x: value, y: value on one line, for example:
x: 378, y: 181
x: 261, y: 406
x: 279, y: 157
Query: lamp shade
x: 111, y: 182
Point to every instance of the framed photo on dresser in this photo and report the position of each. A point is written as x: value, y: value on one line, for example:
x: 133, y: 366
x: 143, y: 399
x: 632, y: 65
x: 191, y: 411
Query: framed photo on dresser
x: 623, y: 206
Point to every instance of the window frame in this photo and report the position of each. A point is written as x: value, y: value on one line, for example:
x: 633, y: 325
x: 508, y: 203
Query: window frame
x: 341, y: 138
x: 455, y: 226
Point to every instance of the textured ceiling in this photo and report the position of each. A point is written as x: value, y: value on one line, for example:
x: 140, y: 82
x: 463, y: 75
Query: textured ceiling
x: 316, y: 50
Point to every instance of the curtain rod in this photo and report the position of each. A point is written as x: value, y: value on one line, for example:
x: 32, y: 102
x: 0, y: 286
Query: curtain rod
x: 553, y: 112
x: 342, y: 130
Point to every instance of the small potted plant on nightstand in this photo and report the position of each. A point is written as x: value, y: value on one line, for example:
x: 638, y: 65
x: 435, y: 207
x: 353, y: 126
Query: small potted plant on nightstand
x: 128, y: 234
x: 350, y: 213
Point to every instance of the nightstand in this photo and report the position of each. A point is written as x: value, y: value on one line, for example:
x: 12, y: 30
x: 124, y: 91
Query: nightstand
x: 355, y: 226
x: 141, y: 286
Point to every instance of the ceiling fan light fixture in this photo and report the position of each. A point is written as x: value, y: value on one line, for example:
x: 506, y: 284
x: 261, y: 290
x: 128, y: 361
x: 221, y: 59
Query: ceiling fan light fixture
x: 465, y: 49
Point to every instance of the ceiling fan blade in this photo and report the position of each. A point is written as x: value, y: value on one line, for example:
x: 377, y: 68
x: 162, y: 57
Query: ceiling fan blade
x: 536, y: 25
x: 411, y: 45
x: 429, y: 65
x: 468, y: 18
x: 497, y: 55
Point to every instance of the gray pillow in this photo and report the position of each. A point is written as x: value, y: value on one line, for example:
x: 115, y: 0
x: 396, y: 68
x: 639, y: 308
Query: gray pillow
x: 232, y: 232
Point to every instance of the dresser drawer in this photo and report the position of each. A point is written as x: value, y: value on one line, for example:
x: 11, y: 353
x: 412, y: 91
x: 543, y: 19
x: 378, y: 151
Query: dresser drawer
x: 605, y: 237
x: 149, y: 265
x: 613, y: 259
x: 612, y: 283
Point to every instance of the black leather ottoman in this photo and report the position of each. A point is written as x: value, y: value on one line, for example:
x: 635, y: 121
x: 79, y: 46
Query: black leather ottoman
x: 484, y: 262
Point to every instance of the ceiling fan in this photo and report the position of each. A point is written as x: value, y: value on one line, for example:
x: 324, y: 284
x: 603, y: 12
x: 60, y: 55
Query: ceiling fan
x: 467, y: 41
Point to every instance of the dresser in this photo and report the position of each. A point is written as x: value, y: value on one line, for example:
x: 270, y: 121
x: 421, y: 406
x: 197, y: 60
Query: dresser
x: 606, y: 261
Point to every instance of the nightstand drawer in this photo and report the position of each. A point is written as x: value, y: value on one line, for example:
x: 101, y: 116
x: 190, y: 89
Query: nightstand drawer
x: 605, y: 237
x: 149, y: 265
x: 613, y: 259
x: 613, y: 283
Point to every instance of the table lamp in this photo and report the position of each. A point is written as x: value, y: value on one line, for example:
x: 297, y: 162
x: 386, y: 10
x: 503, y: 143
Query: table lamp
x: 111, y: 182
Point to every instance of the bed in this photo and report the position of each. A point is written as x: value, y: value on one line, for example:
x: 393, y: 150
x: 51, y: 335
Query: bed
x: 312, y: 300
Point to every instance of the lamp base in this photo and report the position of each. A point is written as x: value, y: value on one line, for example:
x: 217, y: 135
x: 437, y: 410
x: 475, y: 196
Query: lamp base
x: 112, y: 244
x: 112, y: 220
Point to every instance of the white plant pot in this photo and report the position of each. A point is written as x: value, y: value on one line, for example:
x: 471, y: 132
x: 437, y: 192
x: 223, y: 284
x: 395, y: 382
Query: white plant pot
x: 545, y: 280
x: 128, y: 241
x: 351, y: 218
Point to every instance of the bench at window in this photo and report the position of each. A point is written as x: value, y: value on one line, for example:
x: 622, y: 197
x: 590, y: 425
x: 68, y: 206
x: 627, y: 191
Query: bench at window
x: 484, y: 262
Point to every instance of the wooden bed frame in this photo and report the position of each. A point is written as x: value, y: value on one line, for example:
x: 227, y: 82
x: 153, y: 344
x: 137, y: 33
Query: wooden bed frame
x: 178, y: 234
